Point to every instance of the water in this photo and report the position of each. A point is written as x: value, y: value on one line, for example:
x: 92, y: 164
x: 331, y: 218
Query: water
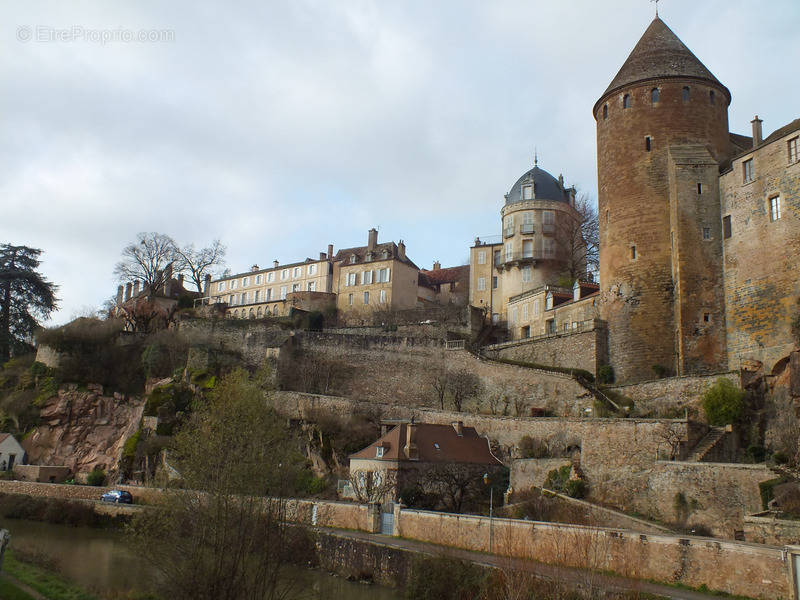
x: 99, y: 560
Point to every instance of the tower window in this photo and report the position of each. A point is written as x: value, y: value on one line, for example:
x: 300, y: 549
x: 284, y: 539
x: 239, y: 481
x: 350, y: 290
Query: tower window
x: 685, y: 93
x: 747, y: 171
x: 647, y: 143
x: 699, y: 188
x: 706, y: 317
x: 711, y: 97
x: 774, y: 208
x: 626, y: 101
x: 726, y: 226
x: 655, y: 94
x: 605, y: 111
x: 633, y: 252
x: 706, y: 233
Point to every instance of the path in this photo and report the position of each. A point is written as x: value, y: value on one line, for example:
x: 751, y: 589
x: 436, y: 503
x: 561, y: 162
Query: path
x: 581, y: 577
x: 25, y: 588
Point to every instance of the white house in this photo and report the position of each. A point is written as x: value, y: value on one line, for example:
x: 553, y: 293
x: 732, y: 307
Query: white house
x: 11, y: 453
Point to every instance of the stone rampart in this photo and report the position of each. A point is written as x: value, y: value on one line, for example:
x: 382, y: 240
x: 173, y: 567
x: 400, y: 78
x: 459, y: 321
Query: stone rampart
x: 768, y: 528
x: 731, y: 567
x: 527, y: 473
x: 672, y: 395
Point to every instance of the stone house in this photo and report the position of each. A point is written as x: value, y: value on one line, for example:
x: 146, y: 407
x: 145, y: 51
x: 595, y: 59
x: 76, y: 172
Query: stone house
x: 11, y: 453
x: 401, y: 457
x: 444, y: 286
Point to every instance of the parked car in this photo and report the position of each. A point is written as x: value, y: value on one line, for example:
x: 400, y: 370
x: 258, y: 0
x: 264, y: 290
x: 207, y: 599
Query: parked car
x: 117, y: 496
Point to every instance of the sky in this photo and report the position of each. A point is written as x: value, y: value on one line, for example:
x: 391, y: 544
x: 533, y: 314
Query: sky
x: 281, y: 127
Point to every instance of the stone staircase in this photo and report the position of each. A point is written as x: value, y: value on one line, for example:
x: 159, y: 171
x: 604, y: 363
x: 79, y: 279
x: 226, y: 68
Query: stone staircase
x: 707, y: 443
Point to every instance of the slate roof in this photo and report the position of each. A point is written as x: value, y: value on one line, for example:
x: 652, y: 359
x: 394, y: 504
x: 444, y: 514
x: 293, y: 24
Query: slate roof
x: 435, y: 444
x: 660, y: 54
x: 344, y: 254
x: 546, y: 187
x: 782, y: 131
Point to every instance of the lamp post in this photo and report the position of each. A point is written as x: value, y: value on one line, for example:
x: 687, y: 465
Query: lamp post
x: 491, y: 507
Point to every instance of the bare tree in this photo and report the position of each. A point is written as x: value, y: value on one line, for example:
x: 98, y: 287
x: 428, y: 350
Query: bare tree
x: 462, y: 385
x: 579, y: 240
x: 146, y: 260
x: 671, y: 435
x: 439, y: 385
x: 454, y: 485
x: 197, y: 263
x: 372, y: 486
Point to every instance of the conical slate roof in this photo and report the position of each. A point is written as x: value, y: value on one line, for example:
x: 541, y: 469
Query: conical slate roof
x: 658, y: 54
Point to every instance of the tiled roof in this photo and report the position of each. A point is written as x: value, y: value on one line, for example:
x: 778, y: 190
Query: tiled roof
x: 785, y: 130
x: 435, y: 443
x: 360, y: 252
x: 741, y: 142
x: 660, y: 54
x: 446, y: 275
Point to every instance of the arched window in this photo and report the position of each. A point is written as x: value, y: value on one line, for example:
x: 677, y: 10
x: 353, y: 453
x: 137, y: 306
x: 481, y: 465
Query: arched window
x: 655, y: 94
x: 259, y: 313
x: 252, y: 314
x: 711, y: 97
x: 236, y: 314
x: 626, y: 101
x: 605, y: 111
x: 685, y: 93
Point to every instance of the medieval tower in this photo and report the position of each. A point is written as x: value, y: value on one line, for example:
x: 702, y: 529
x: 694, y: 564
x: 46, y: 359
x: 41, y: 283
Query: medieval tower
x: 662, y: 132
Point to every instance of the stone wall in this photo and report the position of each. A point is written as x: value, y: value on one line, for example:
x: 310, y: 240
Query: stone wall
x: 42, y: 473
x: 141, y: 495
x: 766, y: 528
x: 527, y: 473
x: 359, y: 559
x: 586, y: 350
x: 672, y: 395
x: 732, y: 567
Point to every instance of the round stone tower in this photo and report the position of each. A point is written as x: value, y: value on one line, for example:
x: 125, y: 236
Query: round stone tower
x: 662, y: 106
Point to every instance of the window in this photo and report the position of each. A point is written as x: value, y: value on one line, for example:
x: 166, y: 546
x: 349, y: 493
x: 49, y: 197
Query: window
x: 566, y: 327
x: 633, y: 252
x: 256, y: 295
x: 550, y: 326
x: 285, y: 274
x: 655, y: 95
x: 270, y: 276
x: 234, y: 283
x: 245, y: 281
x: 296, y: 287
x: 685, y: 94
x: 726, y: 226
x: 711, y: 97
x: 548, y: 220
x: 774, y: 208
x: 283, y: 292
x: 548, y: 301
x: 312, y: 269
x: 244, y: 297
x: 513, y: 316
x: 231, y: 299
x: 509, y: 251
x: 526, y: 331
x: 525, y: 312
x: 382, y: 297
x: 481, y: 284
x: 508, y: 226
x: 350, y: 299
x: 268, y: 295
x: 706, y: 317
x: 626, y: 101
x: 494, y: 282
x: 221, y: 286
x: 366, y: 278
x: 699, y: 188
x: 527, y: 192
x: 526, y: 274
x: 527, y: 222
x: 384, y: 275
x: 537, y: 307
x: 793, y: 149
x: 549, y: 247
x: 311, y: 286
x: 352, y: 279
x: 647, y: 143
x: 379, y: 451
x: 527, y: 248
x: 366, y: 297
x: 297, y: 272
x: 497, y: 257
x: 258, y: 279
x: 352, y: 259
x: 706, y: 233
x: 605, y: 111
x: 482, y: 257
x: 747, y: 170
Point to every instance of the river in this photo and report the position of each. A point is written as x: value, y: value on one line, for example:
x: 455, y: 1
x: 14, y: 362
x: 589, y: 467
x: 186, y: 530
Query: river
x: 99, y: 560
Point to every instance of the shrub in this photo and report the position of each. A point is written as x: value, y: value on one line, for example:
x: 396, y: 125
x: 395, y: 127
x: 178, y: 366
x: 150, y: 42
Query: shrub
x: 780, y: 458
x: 605, y: 374
x: 756, y: 453
x: 557, y: 479
x: 96, y: 477
x: 435, y: 578
x: 661, y: 371
x: 723, y: 403
x: 530, y: 447
x: 767, y: 490
x: 575, y: 488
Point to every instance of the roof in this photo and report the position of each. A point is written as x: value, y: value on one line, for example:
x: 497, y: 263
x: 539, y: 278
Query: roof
x: 3, y: 437
x: 441, y: 276
x: 545, y: 187
x: 659, y: 54
x: 360, y: 252
x: 740, y: 142
x: 782, y: 131
x: 435, y: 444
x: 744, y: 144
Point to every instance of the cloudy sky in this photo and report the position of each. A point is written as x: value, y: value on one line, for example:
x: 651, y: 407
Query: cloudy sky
x: 280, y: 127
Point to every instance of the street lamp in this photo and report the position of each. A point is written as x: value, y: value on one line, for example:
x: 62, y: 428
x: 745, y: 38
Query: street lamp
x: 486, y: 481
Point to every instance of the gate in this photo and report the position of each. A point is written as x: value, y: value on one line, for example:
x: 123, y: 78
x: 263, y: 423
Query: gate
x: 387, y: 519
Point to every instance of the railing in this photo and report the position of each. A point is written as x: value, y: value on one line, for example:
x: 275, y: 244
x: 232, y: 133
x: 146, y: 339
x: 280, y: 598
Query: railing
x: 508, y: 257
x: 454, y: 344
x: 526, y: 228
x: 508, y: 232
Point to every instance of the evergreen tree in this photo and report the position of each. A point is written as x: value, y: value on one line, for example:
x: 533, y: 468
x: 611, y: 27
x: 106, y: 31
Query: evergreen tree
x: 25, y: 297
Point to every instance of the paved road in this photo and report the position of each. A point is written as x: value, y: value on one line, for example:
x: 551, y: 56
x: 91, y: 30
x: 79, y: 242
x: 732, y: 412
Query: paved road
x: 581, y: 577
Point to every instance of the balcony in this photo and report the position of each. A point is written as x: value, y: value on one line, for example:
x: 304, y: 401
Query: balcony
x: 508, y: 232
x: 526, y: 228
x: 517, y: 258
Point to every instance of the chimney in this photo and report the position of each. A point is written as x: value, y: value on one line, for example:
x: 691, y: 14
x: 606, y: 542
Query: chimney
x: 410, y: 449
x: 757, y: 135
x: 135, y: 288
x: 128, y: 291
x: 274, y: 264
x: 168, y: 288
x: 561, y: 181
x: 207, y: 284
x: 254, y: 268
x: 401, y: 250
x: 437, y: 265
x: 120, y: 292
x: 322, y: 256
x: 459, y: 427
x: 330, y: 251
x: 372, y: 239
x: 180, y: 279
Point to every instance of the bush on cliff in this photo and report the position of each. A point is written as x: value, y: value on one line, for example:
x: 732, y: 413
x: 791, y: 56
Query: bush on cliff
x: 723, y: 403
x: 96, y: 477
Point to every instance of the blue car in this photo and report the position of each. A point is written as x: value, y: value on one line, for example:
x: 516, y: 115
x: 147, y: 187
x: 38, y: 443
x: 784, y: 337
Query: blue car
x: 118, y: 497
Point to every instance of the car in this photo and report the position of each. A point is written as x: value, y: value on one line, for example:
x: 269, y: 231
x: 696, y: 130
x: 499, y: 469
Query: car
x: 118, y: 497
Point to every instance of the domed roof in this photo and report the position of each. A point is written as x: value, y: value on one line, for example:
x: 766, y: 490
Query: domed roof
x: 545, y: 187
x: 658, y: 54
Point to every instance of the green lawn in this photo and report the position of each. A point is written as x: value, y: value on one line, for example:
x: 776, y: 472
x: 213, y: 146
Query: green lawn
x: 9, y: 591
x: 48, y: 584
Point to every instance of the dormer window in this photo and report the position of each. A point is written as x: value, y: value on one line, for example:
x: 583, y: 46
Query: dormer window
x: 369, y: 257
x: 379, y: 450
x: 527, y: 192
x: 436, y: 445
x: 385, y: 254
x: 352, y: 259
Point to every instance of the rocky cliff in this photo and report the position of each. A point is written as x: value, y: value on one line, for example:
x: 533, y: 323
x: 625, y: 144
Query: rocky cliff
x: 84, y: 429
